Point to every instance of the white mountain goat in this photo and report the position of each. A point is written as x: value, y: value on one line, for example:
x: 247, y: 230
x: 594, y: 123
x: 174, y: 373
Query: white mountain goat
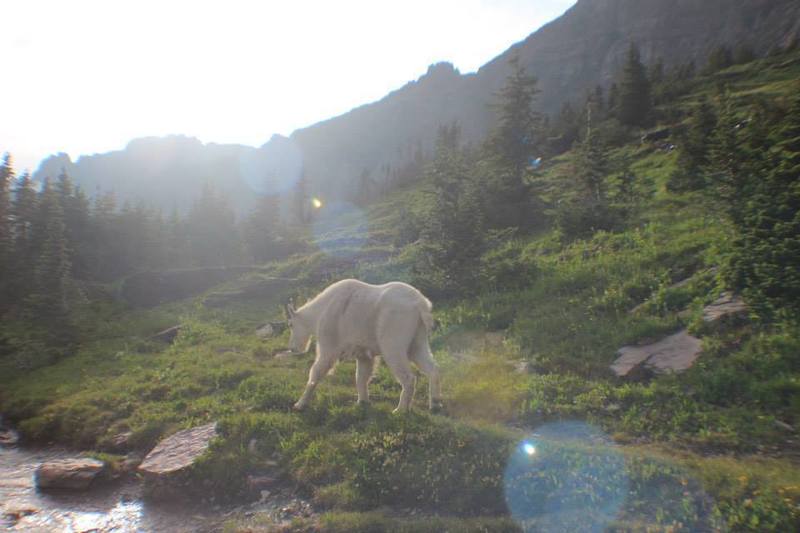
x: 353, y: 318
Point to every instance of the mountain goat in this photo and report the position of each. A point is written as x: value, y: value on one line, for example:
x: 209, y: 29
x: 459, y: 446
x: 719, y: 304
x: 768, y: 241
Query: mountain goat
x: 353, y: 318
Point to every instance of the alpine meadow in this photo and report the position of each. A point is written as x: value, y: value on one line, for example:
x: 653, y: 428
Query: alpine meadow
x: 612, y: 258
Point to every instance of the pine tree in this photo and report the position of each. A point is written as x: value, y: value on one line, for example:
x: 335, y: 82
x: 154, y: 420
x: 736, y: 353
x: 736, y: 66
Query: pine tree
x: 453, y: 232
x: 693, y: 155
x: 6, y: 236
x: 51, y: 281
x: 261, y: 229
x: 766, y: 251
x: 720, y: 58
x: 213, y: 237
x: 514, y: 140
x: 24, y: 211
x: 300, y: 201
x: 635, y: 104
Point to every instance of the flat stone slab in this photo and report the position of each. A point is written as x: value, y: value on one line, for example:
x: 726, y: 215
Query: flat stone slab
x: 726, y: 305
x: 178, y: 451
x: 675, y: 353
x: 76, y: 474
x: 168, y: 335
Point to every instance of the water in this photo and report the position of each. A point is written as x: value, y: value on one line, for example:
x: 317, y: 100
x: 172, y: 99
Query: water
x: 117, y: 507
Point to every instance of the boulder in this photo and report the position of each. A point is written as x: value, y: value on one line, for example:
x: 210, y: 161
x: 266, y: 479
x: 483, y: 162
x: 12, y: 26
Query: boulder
x: 270, y: 329
x: 674, y: 353
x: 168, y: 335
x: 76, y: 474
x: 8, y: 437
x: 727, y: 306
x: 178, y: 452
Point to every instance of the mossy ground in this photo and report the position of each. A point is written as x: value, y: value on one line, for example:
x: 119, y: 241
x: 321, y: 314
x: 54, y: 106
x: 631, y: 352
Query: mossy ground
x: 703, y: 450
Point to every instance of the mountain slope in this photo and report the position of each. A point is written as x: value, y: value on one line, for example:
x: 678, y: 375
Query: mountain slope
x: 575, y: 52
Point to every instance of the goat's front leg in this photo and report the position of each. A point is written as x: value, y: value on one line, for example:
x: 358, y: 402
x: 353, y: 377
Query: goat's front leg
x: 318, y: 371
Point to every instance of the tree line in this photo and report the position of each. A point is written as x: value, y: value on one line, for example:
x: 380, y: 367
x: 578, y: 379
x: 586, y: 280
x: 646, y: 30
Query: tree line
x: 54, y: 239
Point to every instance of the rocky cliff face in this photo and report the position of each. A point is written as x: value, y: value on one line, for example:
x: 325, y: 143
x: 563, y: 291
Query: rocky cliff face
x: 570, y: 55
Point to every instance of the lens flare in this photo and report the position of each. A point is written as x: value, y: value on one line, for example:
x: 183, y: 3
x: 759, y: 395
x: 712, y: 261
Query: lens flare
x: 316, y: 202
x: 340, y: 228
x: 567, y: 477
x: 529, y: 448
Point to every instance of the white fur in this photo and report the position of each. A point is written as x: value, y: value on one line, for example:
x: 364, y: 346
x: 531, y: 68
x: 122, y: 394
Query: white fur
x: 353, y: 318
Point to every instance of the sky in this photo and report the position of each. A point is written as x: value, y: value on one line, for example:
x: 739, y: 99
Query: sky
x: 84, y: 77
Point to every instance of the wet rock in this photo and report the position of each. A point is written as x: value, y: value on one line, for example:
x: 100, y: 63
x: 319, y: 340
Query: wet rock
x: 121, y: 441
x: 14, y: 515
x: 9, y: 437
x: 257, y: 483
x: 177, y: 452
x: 132, y: 462
x: 168, y: 335
x: 76, y: 474
x: 727, y: 307
x: 674, y: 353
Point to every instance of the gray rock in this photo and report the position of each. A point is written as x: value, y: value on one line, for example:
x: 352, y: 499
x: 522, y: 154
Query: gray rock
x: 178, y: 451
x: 674, y: 353
x: 168, y: 335
x: 727, y: 306
x: 76, y: 474
x: 264, y: 332
x: 9, y: 437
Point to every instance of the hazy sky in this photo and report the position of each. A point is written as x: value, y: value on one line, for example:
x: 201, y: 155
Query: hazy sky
x: 87, y: 76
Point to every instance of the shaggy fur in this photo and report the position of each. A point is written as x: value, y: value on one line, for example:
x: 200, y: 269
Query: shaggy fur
x: 355, y: 319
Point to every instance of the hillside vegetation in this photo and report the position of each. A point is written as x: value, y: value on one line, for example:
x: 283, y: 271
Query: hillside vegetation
x: 525, y: 342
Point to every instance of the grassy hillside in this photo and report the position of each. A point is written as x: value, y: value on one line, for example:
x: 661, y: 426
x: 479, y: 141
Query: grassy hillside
x: 707, y: 449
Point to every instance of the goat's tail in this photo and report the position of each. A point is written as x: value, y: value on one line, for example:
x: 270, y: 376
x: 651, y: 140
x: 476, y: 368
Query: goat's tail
x: 425, y: 314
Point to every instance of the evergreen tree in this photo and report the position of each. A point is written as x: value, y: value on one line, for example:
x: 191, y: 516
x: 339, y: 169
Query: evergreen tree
x: 6, y: 236
x: 213, y: 237
x: 635, y: 104
x: 693, y: 155
x: 24, y: 211
x: 720, y: 58
x: 261, y: 229
x: 766, y: 251
x: 49, y: 298
x: 453, y: 232
x: 300, y: 201
x: 512, y: 143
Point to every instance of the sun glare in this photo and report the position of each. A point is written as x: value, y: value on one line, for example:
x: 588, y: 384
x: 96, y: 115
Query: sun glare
x: 316, y: 202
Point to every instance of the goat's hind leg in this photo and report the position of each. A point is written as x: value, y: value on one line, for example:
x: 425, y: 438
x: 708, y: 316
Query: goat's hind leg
x: 365, y: 364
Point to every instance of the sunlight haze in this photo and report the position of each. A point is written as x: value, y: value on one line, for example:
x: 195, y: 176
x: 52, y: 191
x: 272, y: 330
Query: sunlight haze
x: 89, y: 76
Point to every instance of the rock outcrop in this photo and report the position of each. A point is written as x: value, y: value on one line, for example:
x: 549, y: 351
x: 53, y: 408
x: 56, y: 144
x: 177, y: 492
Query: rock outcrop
x: 674, y: 353
x: 76, y: 474
x: 168, y: 335
x: 177, y: 452
x: 727, y: 307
